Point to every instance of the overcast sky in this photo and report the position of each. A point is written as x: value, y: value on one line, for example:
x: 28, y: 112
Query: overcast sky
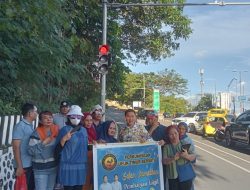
x: 220, y: 43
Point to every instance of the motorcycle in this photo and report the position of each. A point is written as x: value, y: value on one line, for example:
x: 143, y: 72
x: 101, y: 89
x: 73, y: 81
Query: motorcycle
x: 219, y: 133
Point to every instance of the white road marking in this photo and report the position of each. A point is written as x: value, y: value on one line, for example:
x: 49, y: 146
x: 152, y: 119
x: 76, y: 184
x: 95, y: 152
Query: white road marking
x: 223, y: 151
x: 248, y: 171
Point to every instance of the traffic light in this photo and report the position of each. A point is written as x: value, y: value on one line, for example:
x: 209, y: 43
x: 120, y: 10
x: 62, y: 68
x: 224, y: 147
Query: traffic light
x: 104, y: 60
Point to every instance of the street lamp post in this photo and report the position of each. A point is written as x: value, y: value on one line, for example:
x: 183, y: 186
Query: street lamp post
x: 201, y: 72
x: 233, y: 97
x: 240, y: 82
x: 106, y: 4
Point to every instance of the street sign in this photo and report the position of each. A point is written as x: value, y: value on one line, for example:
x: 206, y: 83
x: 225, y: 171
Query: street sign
x: 156, y: 100
x: 242, y: 98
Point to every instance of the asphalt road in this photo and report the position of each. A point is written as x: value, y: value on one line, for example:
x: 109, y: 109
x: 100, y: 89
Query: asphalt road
x: 217, y: 167
x: 220, y: 168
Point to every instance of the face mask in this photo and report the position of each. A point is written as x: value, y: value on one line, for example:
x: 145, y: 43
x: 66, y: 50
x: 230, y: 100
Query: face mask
x: 75, y: 121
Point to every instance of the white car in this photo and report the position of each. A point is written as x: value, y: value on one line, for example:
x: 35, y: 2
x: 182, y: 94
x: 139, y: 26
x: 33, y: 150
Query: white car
x: 190, y: 119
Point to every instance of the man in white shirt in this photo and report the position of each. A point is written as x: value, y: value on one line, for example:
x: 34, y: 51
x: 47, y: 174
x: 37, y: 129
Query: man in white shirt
x: 116, y: 185
x: 105, y: 185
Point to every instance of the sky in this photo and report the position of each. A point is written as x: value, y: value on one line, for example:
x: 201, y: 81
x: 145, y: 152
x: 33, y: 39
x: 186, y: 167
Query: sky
x: 219, y: 44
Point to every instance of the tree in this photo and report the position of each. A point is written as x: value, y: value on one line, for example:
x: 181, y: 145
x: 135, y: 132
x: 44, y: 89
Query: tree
x: 32, y: 51
x: 205, y: 103
x: 151, y: 31
x: 169, y: 83
x: 173, y: 105
x: 47, y: 47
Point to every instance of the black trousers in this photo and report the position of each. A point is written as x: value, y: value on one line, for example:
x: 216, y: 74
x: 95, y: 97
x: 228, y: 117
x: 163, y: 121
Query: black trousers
x: 76, y: 187
x: 185, y: 185
x: 175, y: 184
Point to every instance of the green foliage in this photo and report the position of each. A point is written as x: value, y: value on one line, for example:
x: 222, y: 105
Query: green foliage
x: 173, y: 105
x: 169, y: 83
x: 151, y: 31
x: 205, y: 103
x: 47, y: 47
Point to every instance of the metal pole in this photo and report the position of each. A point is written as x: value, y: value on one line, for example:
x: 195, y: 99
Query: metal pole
x: 144, y: 93
x: 215, y: 95
x: 243, y: 94
x: 240, y: 93
x: 104, y: 41
x: 201, y: 72
x: 221, y: 3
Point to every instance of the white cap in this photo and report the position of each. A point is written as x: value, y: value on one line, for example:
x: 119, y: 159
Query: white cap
x: 75, y: 110
x: 96, y: 107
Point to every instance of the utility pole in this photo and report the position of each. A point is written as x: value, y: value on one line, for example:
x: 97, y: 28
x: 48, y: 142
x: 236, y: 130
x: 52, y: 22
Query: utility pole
x: 144, y: 91
x: 231, y: 96
x: 106, y: 4
x: 104, y: 41
x: 201, y: 72
x: 240, y: 83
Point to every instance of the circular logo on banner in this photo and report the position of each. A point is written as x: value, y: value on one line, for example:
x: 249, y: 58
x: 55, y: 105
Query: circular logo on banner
x: 109, y: 162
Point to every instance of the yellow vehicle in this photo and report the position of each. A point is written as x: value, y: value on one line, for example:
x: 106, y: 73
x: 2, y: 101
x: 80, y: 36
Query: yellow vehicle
x: 215, y: 119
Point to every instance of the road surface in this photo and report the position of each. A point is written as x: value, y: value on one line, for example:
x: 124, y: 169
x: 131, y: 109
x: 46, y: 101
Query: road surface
x: 217, y: 167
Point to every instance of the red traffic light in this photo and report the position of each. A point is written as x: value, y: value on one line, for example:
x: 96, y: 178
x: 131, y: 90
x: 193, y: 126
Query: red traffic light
x: 104, y: 49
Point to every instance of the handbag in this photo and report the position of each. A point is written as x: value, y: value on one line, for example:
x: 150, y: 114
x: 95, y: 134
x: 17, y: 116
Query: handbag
x: 20, y: 183
x: 185, y: 172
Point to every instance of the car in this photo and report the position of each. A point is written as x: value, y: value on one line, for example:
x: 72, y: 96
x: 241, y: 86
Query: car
x: 199, y: 128
x: 238, y: 130
x: 190, y: 119
x: 216, y: 118
x: 166, y: 115
x: 179, y: 115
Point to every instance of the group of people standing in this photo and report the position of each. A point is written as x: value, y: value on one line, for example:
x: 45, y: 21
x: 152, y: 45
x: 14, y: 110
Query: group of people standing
x: 59, y: 151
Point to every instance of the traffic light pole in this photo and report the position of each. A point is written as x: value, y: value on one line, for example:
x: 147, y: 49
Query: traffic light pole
x: 105, y: 4
x: 104, y: 41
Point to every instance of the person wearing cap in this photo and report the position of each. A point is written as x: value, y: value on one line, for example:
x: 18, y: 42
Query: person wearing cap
x: 155, y: 129
x: 60, y: 119
x: 133, y: 131
x: 158, y: 133
x: 97, y: 114
x: 72, y: 143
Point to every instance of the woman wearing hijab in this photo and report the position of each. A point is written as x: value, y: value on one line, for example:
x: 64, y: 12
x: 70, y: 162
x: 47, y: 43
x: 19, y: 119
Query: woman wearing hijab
x: 184, y: 138
x: 41, y: 147
x: 72, y: 145
x: 174, y: 156
x: 88, y: 124
x: 108, y: 132
x: 87, y: 121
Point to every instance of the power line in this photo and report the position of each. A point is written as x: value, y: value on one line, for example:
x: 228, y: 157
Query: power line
x: 220, y: 3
